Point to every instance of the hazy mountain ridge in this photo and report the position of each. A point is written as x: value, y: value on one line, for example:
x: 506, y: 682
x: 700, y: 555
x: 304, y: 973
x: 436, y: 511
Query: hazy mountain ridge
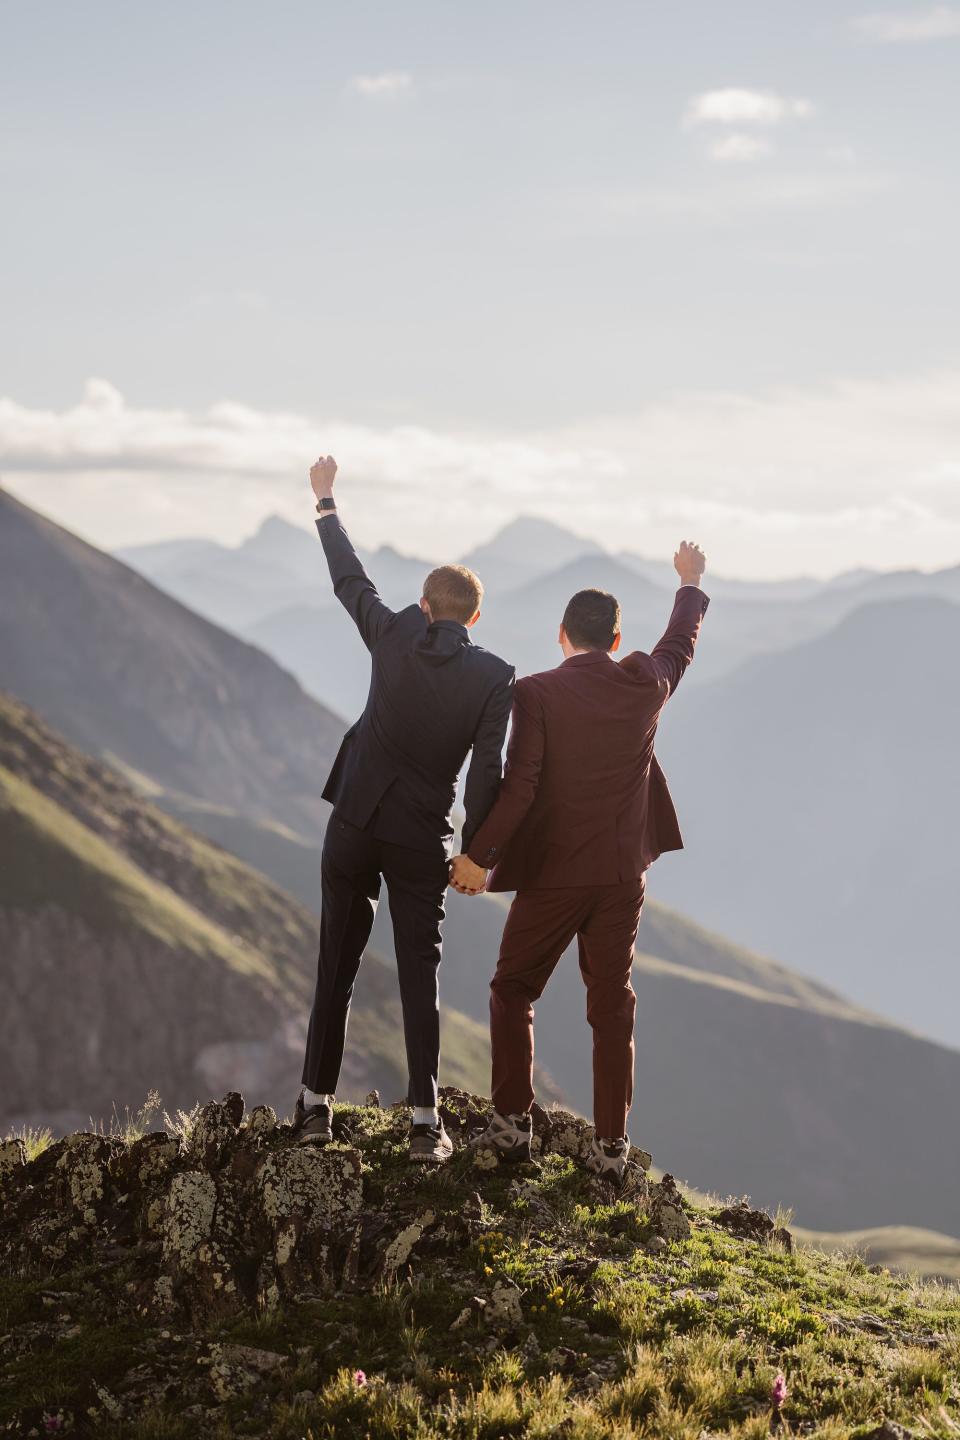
x: 822, y: 785
x: 530, y: 569
x: 127, y: 672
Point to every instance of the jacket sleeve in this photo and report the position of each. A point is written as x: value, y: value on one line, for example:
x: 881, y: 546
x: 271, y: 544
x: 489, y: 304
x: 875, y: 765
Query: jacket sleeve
x: 520, y: 781
x: 351, y: 583
x: 673, y: 652
x: 486, y: 762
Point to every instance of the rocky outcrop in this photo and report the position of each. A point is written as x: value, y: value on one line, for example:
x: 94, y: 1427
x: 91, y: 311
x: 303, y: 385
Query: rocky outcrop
x: 232, y: 1217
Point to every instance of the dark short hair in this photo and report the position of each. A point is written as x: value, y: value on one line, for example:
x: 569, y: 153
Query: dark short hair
x: 453, y: 593
x: 592, y: 620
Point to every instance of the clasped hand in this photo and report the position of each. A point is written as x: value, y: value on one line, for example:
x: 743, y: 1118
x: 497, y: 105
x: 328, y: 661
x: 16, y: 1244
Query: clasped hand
x: 466, y: 877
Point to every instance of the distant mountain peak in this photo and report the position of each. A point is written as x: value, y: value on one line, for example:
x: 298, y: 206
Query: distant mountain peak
x: 276, y: 527
x: 532, y: 541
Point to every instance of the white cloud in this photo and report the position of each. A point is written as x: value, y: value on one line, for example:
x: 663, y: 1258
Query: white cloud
x: 734, y: 106
x: 386, y: 85
x: 740, y: 149
x: 940, y: 22
x: 854, y: 472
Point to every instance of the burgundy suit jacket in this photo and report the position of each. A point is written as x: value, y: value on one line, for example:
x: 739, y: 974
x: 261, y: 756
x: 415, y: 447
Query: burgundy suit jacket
x: 583, y: 800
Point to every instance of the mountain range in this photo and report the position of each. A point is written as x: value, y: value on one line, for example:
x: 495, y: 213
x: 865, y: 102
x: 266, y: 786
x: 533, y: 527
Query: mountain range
x: 130, y: 674
x: 822, y: 709
x: 818, y: 790
x: 749, y: 1073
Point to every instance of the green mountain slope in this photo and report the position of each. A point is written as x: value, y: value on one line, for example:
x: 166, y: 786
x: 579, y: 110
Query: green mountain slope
x: 135, y: 955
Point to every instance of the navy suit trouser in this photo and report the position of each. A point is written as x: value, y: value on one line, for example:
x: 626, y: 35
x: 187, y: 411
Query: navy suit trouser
x: 354, y: 865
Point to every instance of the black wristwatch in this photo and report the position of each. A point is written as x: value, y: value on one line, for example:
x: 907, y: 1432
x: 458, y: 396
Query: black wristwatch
x: 327, y: 503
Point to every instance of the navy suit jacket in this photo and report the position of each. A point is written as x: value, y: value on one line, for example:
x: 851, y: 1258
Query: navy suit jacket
x: 433, y: 697
x: 584, y: 801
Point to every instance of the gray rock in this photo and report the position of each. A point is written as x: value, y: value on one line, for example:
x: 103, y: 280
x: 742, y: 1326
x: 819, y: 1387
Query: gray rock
x: 666, y: 1211
x: 262, y: 1120
x: 504, y: 1310
x: 13, y: 1156
x: 891, y: 1430
x: 236, y: 1369
x: 400, y: 1249
x: 302, y: 1194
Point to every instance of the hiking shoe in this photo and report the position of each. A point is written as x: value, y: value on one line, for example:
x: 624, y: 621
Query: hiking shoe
x: 608, y: 1159
x: 312, y: 1124
x: 508, y: 1135
x: 430, y: 1144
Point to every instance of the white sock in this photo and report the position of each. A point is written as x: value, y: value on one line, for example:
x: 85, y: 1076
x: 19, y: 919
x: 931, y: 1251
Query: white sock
x: 426, y: 1115
x: 311, y: 1097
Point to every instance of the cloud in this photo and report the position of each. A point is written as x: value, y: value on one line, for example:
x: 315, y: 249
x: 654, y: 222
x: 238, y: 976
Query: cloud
x: 744, y: 107
x: 386, y: 85
x: 940, y: 22
x: 740, y: 149
x: 777, y: 481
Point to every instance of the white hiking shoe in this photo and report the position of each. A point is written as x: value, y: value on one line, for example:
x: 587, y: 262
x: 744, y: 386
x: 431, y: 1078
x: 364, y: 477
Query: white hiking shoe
x: 508, y: 1135
x: 608, y: 1159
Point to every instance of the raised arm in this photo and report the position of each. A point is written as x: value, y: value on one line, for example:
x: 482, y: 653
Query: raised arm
x: 517, y: 793
x: 351, y: 583
x: 673, y: 652
x: 486, y: 762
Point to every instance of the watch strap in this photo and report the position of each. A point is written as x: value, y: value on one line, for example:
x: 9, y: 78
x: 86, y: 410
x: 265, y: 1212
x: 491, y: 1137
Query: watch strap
x: 327, y: 503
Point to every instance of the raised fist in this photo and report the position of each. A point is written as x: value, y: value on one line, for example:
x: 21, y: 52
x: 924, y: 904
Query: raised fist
x: 322, y: 476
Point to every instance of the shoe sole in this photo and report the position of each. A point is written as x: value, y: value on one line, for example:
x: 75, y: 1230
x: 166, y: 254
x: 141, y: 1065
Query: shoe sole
x: 313, y: 1139
x: 430, y: 1159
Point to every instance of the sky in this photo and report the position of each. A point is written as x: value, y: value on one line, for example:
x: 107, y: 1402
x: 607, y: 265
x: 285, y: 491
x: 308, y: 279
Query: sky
x: 654, y: 271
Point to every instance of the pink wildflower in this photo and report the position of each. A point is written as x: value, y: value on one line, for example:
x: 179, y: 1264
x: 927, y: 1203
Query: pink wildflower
x: 779, y: 1392
x: 52, y: 1424
x: 359, y: 1378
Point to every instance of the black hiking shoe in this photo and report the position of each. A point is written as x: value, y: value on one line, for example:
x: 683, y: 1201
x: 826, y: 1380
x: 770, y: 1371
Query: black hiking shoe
x: 312, y: 1124
x: 430, y: 1144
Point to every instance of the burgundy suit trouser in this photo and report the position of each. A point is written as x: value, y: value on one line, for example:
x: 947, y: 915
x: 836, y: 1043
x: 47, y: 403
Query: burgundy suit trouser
x: 540, y: 926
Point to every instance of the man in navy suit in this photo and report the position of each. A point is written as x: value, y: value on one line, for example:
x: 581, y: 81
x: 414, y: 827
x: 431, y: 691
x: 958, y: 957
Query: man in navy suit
x: 433, y: 698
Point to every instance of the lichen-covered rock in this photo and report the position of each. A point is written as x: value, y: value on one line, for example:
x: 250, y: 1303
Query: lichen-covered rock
x: 196, y: 1230
x: 262, y: 1121
x: 321, y: 1186
x: 503, y: 1310
x: 485, y: 1158
x: 191, y: 1204
x: 643, y: 1158
x: 666, y: 1211
x: 568, y: 1135
x: 151, y: 1157
x: 213, y: 1128
x: 636, y: 1188
x: 82, y: 1165
x: 400, y: 1249
x: 236, y: 1369
x: 302, y: 1194
x: 741, y: 1219
x: 13, y: 1157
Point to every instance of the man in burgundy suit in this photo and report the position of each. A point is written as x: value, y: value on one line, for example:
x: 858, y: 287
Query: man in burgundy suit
x: 584, y: 809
